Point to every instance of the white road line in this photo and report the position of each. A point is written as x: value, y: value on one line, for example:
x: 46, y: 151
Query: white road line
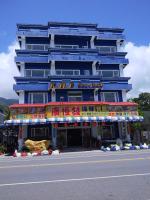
x: 60, y: 157
x: 74, y: 179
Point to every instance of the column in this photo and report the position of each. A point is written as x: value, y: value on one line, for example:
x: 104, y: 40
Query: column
x: 21, y: 97
x: 20, y: 138
x: 52, y: 67
x: 54, y: 137
x: 23, y: 43
x: 92, y: 42
x: 53, y: 95
x: 94, y: 68
x: 52, y: 41
x: 22, y: 69
x: 121, y: 66
x: 124, y: 96
x: 96, y: 94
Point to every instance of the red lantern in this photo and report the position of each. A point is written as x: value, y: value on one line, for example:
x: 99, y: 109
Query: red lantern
x: 75, y: 124
x: 103, y: 123
x: 55, y: 125
x: 94, y: 124
x: 85, y: 124
x: 66, y: 125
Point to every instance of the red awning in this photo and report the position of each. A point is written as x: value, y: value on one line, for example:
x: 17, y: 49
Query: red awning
x: 74, y: 103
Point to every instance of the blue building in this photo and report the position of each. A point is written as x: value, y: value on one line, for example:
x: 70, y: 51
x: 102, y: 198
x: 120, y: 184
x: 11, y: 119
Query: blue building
x: 72, y: 64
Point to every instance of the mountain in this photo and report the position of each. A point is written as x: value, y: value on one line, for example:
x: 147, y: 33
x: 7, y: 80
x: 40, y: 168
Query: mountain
x: 7, y: 102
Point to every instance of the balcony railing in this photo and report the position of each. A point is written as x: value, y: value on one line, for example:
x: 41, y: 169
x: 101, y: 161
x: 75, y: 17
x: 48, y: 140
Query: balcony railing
x: 38, y: 47
x: 32, y: 33
x: 111, y: 36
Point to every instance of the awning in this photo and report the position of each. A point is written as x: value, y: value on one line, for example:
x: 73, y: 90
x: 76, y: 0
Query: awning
x: 75, y: 119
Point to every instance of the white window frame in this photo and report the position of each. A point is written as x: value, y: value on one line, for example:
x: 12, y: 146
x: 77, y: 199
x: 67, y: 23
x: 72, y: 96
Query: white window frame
x: 38, y: 70
x: 31, y: 47
x: 100, y: 72
x: 30, y: 97
x: 103, y: 96
x: 113, y: 49
x: 34, y: 131
x: 63, y: 70
x: 62, y: 46
x: 75, y: 94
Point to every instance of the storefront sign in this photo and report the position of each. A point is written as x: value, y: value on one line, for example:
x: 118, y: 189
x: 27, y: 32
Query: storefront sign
x: 72, y: 111
x: 75, y: 85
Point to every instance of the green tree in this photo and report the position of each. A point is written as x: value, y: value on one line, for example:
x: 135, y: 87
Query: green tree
x: 143, y: 101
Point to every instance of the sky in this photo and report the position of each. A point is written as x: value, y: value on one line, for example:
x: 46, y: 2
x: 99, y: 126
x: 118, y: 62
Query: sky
x: 132, y: 15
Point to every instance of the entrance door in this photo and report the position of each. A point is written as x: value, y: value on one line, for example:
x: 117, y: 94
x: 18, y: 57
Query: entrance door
x: 74, y: 137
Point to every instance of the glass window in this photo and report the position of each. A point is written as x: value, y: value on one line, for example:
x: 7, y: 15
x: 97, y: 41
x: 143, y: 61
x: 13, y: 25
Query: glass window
x: 107, y: 73
x: 76, y: 72
x: 74, y: 96
x: 91, y: 108
x: 37, y: 73
x: 28, y: 73
x: 116, y: 73
x: 47, y: 73
x: 86, y: 72
x: 67, y: 72
x: 58, y: 72
x: 107, y: 133
x: 109, y: 96
x: 38, y: 97
x: 40, y: 132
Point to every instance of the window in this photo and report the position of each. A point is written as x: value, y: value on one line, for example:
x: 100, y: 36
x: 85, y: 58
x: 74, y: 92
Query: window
x: 62, y: 46
x: 86, y: 72
x: 28, y: 73
x: 108, y: 73
x: 38, y: 97
x: 40, y: 132
x: 107, y: 133
x: 39, y: 47
x: 74, y: 96
x: 37, y: 73
x: 106, y: 49
x: 68, y: 72
x: 109, y: 96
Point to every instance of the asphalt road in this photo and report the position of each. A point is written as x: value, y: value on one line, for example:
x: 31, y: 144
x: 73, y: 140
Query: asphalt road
x: 77, y: 176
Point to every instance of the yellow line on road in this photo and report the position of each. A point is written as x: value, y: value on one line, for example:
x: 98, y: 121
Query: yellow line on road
x: 73, y: 163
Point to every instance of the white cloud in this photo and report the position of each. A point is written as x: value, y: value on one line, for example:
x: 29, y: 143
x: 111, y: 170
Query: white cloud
x: 138, y: 68
x: 8, y: 70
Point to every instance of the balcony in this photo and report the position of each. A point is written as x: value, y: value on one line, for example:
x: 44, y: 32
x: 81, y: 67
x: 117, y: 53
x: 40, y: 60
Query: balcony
x: 32, y: 33
x: 72, y: 31
x: 110, y: 36
x: 117, y: 58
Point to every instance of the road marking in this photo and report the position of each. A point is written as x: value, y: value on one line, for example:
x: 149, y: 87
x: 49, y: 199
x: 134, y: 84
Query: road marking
x: 74, y: 179
x: 60, y: 157
x: 73, y: 163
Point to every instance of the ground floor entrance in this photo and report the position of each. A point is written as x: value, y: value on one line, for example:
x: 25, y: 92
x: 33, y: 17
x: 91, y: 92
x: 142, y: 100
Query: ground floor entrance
x: 74, y: 137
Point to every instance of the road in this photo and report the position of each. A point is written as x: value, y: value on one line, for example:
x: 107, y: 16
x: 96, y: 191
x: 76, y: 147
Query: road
x: 80, y: 175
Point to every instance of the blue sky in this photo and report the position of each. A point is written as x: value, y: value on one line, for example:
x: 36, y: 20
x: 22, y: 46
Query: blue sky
x: 133, y: 15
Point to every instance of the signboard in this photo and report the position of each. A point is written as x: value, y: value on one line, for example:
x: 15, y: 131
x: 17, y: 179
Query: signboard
x: 72, y: 111
x: 75, y: 85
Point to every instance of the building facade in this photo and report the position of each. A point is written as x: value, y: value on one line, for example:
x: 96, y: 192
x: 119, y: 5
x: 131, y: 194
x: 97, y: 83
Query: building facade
x: 72, y: 88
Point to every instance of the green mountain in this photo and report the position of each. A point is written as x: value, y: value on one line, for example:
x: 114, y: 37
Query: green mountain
x: 7, y: 102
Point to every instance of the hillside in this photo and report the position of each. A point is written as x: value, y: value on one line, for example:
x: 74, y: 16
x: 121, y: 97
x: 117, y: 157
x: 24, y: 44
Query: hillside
x: 7, y: 102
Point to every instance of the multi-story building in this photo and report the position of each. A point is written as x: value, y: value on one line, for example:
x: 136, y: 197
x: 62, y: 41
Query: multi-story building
x: 72, y: 87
